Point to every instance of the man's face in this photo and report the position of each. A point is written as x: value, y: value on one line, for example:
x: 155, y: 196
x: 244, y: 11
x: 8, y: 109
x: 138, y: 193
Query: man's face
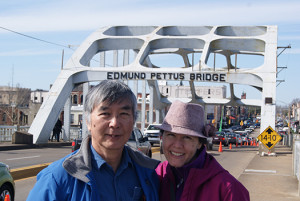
x: 111, y: 126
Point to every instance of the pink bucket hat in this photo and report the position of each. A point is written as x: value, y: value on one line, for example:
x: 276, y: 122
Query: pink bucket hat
x: 184, y: 118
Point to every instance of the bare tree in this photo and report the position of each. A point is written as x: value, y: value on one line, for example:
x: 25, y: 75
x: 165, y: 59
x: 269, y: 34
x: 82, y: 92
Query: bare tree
x: 13, y: 100
x: 295, y: 101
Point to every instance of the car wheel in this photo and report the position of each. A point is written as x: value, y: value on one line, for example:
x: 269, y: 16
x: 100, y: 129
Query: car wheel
x: 4, y: 190
x: 150, y: 154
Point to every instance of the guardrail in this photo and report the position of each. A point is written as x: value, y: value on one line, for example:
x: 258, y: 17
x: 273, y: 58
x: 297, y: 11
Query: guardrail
x: 296, y: 158
x: 6, y: 133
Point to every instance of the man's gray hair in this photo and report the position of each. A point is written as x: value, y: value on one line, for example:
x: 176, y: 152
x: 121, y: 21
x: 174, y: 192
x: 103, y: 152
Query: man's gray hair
x: 112, y: 91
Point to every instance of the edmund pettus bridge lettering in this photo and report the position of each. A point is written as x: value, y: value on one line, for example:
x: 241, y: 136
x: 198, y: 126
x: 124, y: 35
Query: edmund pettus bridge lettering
x: 208, y: 77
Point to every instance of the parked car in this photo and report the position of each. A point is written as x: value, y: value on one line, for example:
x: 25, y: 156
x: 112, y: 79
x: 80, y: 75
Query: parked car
x: 244, y: 139
x: 136, y: 141
x: 231, y: 138
x: 238, y: 138
x: 249, y: 130
x: 227, y: 130
x: 153, y: 134
x: 220, y: 137
x: 7, y: 184
x: 209, y: 143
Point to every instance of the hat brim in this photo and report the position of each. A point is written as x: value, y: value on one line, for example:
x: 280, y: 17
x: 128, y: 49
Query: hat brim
x: 180, y: 130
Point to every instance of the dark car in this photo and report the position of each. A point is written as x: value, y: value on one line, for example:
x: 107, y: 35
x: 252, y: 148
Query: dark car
x: 231, y: 138
x: 209, y: 143
x: 136, y: 142
x: 220, y: 137
x: 238, y: 138
x: 7, y: 185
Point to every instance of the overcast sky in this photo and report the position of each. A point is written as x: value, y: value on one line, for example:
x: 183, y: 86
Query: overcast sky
x: 35, y: 63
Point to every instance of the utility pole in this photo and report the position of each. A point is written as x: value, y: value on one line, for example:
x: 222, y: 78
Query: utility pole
x: 279, y: 67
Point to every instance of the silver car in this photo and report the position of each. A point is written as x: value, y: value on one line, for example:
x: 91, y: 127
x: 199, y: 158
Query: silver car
x: 152, y: 133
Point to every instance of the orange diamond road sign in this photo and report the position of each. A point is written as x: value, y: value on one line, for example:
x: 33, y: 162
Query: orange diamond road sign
x: 269, y: 137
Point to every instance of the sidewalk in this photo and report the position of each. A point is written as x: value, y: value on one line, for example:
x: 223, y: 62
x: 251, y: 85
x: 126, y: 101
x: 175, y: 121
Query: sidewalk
x: 270, y: 178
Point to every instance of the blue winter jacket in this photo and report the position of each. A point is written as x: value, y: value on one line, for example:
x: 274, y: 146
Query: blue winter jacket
x: 70, y: 178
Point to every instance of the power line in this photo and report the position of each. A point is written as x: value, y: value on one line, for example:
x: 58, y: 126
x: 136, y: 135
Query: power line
x: 36, y: 38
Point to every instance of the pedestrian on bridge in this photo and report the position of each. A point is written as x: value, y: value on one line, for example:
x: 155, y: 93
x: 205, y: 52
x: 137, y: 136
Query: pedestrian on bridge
x: 56, y: 130
x: 103, y: 168
x: 190, y: 173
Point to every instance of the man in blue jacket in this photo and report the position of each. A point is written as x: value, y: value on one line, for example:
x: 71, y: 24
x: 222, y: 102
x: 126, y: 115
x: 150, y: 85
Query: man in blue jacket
x: 103, y: 168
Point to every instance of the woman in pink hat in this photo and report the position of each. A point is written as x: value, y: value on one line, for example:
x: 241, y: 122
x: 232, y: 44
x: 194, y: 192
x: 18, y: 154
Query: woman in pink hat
x: 190, y: 173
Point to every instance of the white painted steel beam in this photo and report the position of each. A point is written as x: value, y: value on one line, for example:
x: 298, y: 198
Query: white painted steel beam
x: 140, y: 43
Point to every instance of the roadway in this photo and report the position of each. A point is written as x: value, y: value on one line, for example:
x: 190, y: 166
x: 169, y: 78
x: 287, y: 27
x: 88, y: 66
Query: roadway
x: 235, y: 161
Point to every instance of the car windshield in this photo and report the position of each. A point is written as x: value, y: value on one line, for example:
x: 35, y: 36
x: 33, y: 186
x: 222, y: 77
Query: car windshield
x: 151, y: 127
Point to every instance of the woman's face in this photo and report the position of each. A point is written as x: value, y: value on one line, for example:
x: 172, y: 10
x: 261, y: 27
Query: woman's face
x: 179, y: 149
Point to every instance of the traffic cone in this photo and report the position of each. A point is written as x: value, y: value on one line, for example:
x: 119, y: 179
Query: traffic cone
x: 7, y: 197
x: 236, y: 144
x: 220, y: 147
x: 230, y: 146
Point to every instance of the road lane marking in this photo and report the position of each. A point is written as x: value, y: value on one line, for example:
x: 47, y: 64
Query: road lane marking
x: 262, y: 171
x: 11, y: 159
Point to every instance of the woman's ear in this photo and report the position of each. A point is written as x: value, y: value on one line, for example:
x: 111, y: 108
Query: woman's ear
x: 199, y: 145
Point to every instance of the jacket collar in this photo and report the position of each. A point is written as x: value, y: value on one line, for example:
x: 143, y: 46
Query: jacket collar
x: 79, y: 164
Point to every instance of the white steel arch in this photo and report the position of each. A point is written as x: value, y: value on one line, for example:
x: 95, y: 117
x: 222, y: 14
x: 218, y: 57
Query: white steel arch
x: 136, y: 45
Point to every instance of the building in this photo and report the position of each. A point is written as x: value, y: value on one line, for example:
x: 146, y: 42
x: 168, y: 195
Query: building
x: 205, y: 92
x: 14, y: 105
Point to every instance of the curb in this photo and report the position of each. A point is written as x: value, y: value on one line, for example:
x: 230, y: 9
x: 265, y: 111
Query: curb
x: 25, y: 172
x: 155, y: 149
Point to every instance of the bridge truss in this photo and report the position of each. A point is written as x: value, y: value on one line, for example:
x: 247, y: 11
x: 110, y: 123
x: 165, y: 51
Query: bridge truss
x: 129, y: 52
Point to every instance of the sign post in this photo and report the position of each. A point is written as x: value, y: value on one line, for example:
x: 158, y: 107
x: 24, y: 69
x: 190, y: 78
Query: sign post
x: 269, y: 138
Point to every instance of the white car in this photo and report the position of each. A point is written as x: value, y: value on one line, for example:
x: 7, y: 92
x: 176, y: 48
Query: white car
x: 153, y: 134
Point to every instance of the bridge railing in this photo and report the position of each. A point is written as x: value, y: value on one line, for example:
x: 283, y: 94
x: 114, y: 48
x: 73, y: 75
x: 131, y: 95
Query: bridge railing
x: 75, y: 132
x: 296, y: 158
x: 6, y: 133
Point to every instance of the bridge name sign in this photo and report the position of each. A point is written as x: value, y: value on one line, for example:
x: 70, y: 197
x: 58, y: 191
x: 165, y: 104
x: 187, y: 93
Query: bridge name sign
x: 207, y: 77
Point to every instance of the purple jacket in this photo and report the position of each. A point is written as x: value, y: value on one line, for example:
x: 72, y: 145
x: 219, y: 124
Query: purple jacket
x: 210, y: 183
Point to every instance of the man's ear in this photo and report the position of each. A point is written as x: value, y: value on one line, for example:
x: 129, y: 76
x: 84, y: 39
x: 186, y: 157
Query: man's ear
x: 88, y: 125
